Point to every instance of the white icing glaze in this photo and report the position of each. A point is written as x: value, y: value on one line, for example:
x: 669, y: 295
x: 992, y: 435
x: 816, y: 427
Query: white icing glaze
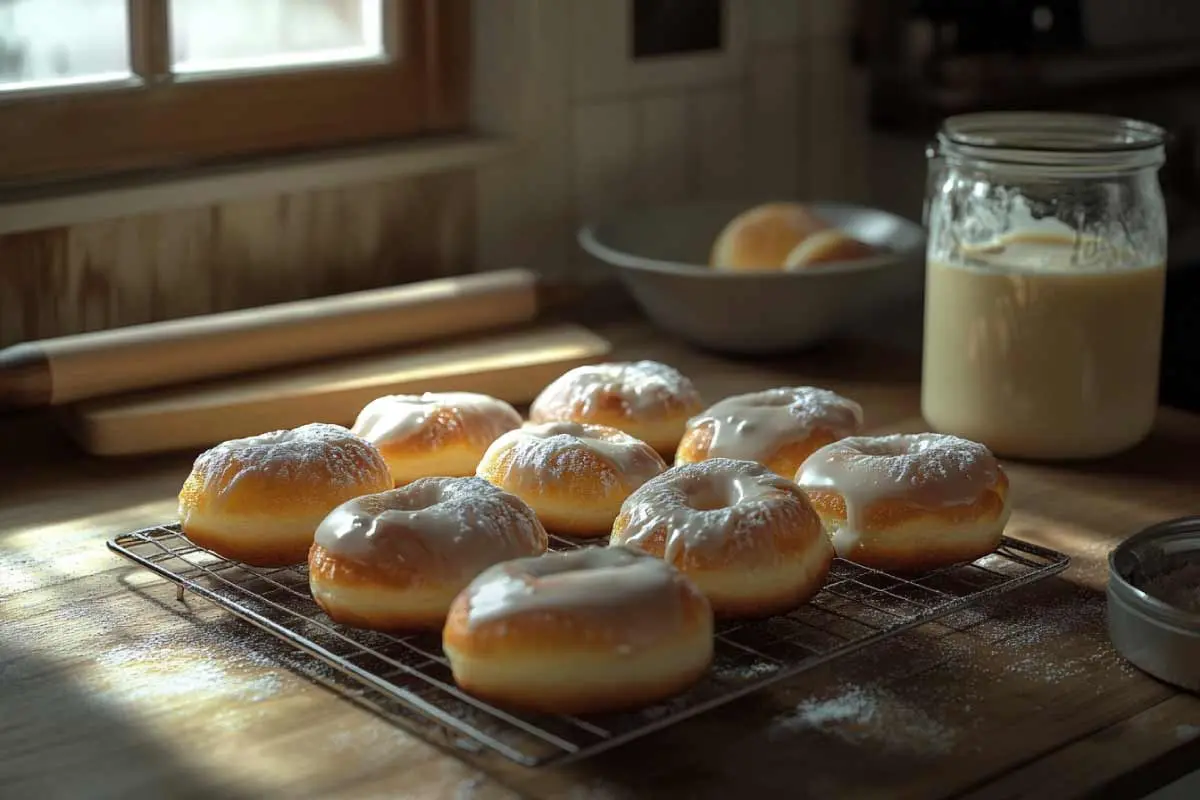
x: 605, y: 580
x: 644, y: 387
x: 395, y: 418
x: 326, y: 454
x: 706, y: 506
x: 753, y: 426
x: 449, y: 525
x: 929, y: 470
x: 550, y: 449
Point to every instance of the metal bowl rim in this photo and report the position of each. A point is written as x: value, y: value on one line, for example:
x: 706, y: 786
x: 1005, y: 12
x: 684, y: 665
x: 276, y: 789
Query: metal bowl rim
x: 1134, y: 594
x: 587, y: 238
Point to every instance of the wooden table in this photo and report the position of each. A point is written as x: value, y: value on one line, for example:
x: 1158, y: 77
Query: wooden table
x: 109, y: 687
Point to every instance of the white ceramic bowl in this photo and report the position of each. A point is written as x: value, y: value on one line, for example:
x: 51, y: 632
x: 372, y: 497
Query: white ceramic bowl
x: 661, y: 256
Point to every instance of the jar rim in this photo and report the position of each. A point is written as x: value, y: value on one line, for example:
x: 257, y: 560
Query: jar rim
x: 1050, y: 132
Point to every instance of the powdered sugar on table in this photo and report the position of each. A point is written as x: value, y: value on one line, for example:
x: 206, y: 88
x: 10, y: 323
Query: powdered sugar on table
x: 861, y: 714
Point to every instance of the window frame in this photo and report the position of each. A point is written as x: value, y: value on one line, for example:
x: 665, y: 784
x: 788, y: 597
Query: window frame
x: 158, y: 120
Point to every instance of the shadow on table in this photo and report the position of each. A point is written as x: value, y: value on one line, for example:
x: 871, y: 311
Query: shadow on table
x: 46, y: 474
x: 1168, y: 454
x: 932, y: 712
x: 59, y: 742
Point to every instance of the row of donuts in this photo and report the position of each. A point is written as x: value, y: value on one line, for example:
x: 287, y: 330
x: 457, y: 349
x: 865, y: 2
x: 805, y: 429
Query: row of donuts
x: 761, y: 484
x: 722, y: 533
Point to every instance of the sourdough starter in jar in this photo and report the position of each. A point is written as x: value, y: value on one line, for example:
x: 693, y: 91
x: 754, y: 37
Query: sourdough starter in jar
x: 1044, y: 283
x: 1034, y: 358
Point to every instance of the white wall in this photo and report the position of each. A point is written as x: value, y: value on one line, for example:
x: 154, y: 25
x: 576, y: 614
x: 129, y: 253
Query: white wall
x: 778, y: 113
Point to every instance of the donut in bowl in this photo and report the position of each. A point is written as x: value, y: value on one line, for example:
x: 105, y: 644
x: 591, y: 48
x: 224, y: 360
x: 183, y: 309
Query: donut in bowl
x: 747, y: 537
x: 435, y: 434
x: 762, y: 237
x: 779, y: 428
x: 645, y: 399
x: 574, y: 476
x: 394, y: 561
x: 908, y: 502
x: 259, y: 499
x: 583, y: 631
x: 832, y: 246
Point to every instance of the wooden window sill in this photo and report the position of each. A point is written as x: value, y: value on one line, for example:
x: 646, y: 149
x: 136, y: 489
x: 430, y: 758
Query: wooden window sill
x: 55, y: 206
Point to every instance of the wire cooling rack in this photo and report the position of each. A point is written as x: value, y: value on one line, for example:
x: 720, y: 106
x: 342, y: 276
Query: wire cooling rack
x: 408, y: 679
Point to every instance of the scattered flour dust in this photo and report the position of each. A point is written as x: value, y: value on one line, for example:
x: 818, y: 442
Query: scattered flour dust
x: 468, y: 789
x: 862, y: 714
x: 1027, y: 638
x: 1043, y: 668
x: 164, y: 670
x: 184, y: 674
x: 744, y: 673
x: 1048, y: 621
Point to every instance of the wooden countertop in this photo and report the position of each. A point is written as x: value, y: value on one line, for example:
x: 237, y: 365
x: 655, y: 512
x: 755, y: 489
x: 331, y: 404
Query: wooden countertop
x: 109, y: 687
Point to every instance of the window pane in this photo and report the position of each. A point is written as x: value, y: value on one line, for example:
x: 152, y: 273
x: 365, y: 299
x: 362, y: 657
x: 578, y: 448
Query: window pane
x: 62, y: 42
x: 214, y: 35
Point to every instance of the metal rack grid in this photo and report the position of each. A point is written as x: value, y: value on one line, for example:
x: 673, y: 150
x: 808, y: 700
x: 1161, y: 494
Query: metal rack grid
x: 407, y: 678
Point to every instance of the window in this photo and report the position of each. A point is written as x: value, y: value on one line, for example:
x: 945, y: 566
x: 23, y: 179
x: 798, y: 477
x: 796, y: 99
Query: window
x: 100, y: 86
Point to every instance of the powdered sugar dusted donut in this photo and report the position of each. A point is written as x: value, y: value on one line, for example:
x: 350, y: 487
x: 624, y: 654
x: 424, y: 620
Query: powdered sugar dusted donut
x: 908, y: 502
x: 748, y: 537
x: 648, y: 400
x: 396, y: 559
x: 435, y: 434
x: 588, y: 630
x: 574, y: 476
x: 259, y: 499
x: 778, y: 428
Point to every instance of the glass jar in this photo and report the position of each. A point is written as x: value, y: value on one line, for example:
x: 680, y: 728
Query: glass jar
x: 1046, y: 268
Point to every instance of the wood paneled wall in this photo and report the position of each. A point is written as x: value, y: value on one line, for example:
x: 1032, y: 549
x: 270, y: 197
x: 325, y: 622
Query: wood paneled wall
x: 238, y: 254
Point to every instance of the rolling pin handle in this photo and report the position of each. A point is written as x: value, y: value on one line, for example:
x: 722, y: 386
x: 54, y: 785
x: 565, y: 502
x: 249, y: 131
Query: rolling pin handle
x: 25, y: 378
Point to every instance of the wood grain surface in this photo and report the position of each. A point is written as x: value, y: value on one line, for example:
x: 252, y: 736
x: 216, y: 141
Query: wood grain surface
x: 110, y: 687
x: 239, y: 254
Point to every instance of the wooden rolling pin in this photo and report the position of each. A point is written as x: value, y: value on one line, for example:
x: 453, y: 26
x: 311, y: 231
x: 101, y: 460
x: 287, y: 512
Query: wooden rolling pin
x: 70, y: 368
x: 512, y: 365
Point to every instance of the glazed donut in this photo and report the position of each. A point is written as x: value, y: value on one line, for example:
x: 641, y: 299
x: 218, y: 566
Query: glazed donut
x: 778, y: 428
x: 394, y: 561
x: 748, y: 537
x: 435, y: 434
x: 260, y: 499
x: 574, y: 476
x: 648, y: 400
x: 760, y: 238
x: 908, y: 502
x: 582, y: 631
